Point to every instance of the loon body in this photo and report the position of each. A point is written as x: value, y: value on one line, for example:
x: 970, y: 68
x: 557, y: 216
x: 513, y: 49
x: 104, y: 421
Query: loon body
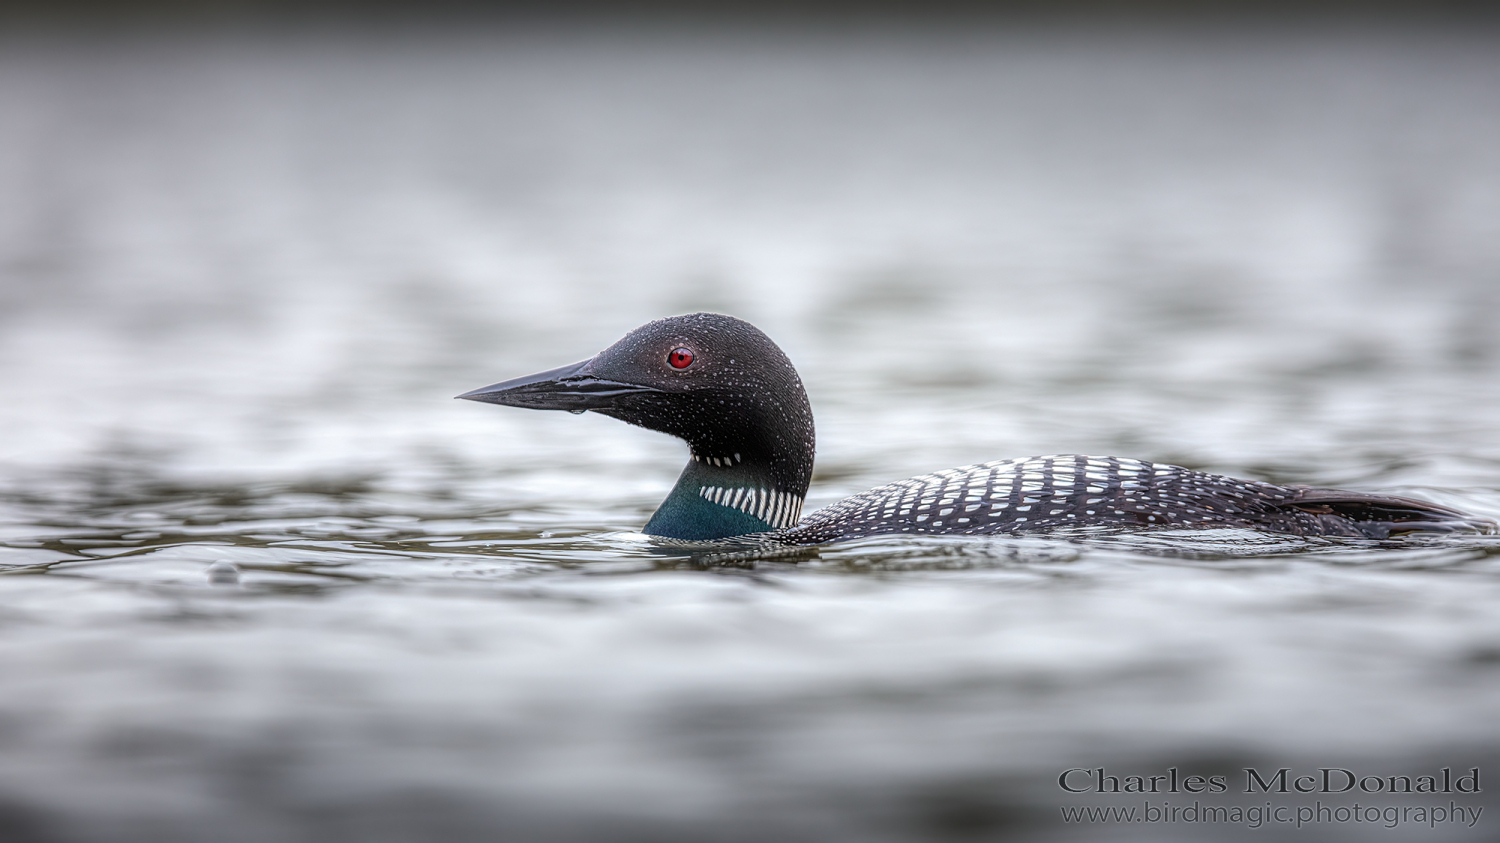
x: 726, y: 389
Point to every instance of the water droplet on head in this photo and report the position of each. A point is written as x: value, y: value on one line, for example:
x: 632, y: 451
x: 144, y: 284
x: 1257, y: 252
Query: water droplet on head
x: 577, y: 412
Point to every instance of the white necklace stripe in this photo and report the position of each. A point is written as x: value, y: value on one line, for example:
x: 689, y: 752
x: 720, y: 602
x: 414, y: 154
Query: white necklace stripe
x: 779, y: 509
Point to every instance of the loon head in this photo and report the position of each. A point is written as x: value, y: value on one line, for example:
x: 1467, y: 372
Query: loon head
x: 715, y: 382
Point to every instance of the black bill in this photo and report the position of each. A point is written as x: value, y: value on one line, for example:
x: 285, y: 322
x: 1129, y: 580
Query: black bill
x: 570, y: 387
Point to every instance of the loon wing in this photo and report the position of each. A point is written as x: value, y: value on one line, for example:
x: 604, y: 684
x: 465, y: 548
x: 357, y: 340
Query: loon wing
x: 1380, y: 516
x: 1064, y: 491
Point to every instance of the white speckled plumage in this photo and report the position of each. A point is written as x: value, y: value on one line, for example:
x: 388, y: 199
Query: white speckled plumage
x: 1037, y: 494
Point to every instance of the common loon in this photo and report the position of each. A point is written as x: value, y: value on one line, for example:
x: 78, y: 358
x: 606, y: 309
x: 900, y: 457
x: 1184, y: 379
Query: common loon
x: 726, y: 389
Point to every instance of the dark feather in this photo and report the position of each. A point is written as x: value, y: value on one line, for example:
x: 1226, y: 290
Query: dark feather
x: 1380, y: 516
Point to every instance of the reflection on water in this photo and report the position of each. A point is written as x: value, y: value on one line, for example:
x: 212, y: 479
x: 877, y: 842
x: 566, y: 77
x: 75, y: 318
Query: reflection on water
x: 264, y: 580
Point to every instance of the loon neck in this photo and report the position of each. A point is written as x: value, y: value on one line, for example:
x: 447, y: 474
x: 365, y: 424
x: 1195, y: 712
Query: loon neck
x: 728, y: 495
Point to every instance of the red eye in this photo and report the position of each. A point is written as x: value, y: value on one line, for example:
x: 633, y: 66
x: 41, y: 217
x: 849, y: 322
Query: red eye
x: 680, y: 358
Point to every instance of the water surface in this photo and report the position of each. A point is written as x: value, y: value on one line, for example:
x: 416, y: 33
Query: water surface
x: 264, y: 580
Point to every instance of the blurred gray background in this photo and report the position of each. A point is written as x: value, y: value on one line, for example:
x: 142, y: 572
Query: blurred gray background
x: 249, y: 251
